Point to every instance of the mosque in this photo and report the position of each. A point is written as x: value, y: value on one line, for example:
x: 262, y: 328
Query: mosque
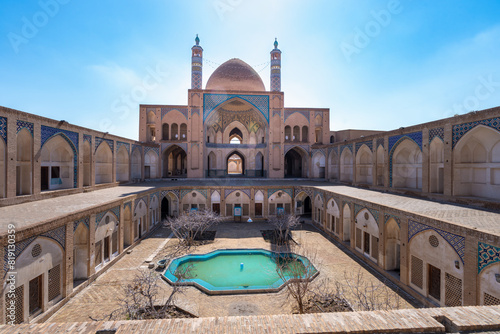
x: 420, y: 204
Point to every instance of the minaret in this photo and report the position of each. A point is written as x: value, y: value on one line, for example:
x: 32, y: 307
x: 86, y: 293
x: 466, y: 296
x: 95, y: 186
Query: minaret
x: 276, y: 68
x: 196, y: 65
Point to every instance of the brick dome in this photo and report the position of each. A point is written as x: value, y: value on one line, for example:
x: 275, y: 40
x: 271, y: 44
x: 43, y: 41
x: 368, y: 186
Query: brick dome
x: 235, y: 74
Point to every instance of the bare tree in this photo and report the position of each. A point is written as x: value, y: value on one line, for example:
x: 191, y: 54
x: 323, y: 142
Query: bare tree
x: 367, y: 295
x: 187, y: 226
x: 299, y: 273
x: 283, y: 224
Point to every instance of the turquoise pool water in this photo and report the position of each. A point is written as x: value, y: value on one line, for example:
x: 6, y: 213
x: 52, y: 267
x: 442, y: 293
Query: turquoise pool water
x: 237, y: 270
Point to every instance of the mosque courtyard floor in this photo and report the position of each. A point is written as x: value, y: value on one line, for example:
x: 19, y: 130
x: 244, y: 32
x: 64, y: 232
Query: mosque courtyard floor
x: 103, y: 296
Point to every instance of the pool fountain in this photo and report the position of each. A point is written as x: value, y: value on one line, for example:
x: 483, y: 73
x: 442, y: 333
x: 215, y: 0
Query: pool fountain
x: 233, y: 271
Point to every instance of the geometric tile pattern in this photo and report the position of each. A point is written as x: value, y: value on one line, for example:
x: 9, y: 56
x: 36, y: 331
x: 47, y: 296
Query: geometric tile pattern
x: 487, y: 254
x: 277, y: 112
x: 184, y: 192
x: 99, y: 216
x: 120, y: 144
x: 212, y: 101
x: 289, y: 147
x: 394, y: 141
x: 290, y: 112
x: 195, y: 111
x: 389, y: 216
x: 24, y: 125
x: 183, y: 111
x: 154, y: 195
x: 415, y: 136
x: 358, y: 208
x: 349, y: 146
x: 380, y: 142
x: 316, y: 193
x: 164, y: 146
x: 320, y: 150
x: 289, y: 191
x: 134, y: 147
x: 455, y: 241
x: 367, y: 143
x: 228, y: 192
x: 175, y: 192
x: 129, y: 205
x: 71, y: 137
x: 275, y: 83
x: 87, y: 138
x: 85, y: 221
x: 99, y: 140
x: 461, y: 129
x: 3, y: 128
x: 137, y: 200
x: 334, y: 149
x: 437, y: 132
x: 308, y: 191
x: 154, y: 149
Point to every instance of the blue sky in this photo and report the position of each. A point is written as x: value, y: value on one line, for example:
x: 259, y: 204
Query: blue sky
x: 376, y: 64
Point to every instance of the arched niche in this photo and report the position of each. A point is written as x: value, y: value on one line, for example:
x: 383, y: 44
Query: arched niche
x: 436, y: 166
x: 407, y: 165
x: 346, y: 222
x: 280, y: 199
x: 346, y: 165
x: 106, y: 239
x: 136, y: 164
x: 24, y: 162
x: 86, y: 164
x: 333, y: 167
x: 367, y: 234
x: 81, y: 252
x: 364, y: 165
x: 103, y: 164
x: 150, y: 165
x: 318, y: 165
x: 380, y: 165
x: 296, y: 163
x: 122, y: 165
x: 332, y: 216
x: 392, y: 245
x: 57, y: 164
x: 3, y: 169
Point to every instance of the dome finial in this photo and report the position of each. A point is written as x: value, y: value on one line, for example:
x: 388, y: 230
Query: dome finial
x: 197, y: 40
x: 276, y: 43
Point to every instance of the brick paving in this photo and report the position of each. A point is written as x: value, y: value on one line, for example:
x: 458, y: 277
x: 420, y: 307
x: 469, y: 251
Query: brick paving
x: 102, y: 296
x: 462, y: 319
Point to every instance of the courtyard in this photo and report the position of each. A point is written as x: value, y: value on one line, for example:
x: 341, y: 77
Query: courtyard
x: 103, y: 296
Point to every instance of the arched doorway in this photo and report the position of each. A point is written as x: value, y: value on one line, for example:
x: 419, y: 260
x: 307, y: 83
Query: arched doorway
x: 57, y: 164
x: 80, y: 253
x: 307, y: 206
x: 174, y: 162
x: 235, y: 164
x: 295, y: 163
x: 164, y: 208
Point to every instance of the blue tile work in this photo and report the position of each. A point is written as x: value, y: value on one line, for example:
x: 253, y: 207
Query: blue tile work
x: 348, y: 146
x: 455, y: 241
x: 461, y: 129
x: 487, y: 254
x: 289, y: 113
x: 58, y: 235
x: 394, y: 141
x: 184, y: 192
x: 120, y: 144
x: 270, y: 192
x: 289, y: 147
x: 212, y: 101
x: 358, y: 208
x: 157, y: 194
x: 100, y: 215
x: 228, y: 192
x: 72, y: 139
x: 136, y: 147
x: 99, y: 140
x: 195, y: 111
x: 127, y: 205
x: 307, y: 191
x: 175, y: 192
x: 3, y: 128
x: 183, y: 111
x: 85, y: 221
x: 316, y: 150
x: 333, y: 149
x: 316, y: 193
x: 87, y: 138
x: 437, y: 132
x: 137, y: 200
x: 164, y: 146
x: 368, y: 143
x: 380, y: 142
x: 389, y: 216
x: 415, y: 136
x: 24, y: 125
x: 277, y: 112
x: 154, y: 149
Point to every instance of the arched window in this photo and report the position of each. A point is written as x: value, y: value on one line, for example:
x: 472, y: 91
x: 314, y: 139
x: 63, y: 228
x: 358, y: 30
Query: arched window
x: 288, y: 133
x: 296, y: 133
x: 164, y: 131
x: 235, y: 136
x: 332, y: 139
x: 183, y: 135
x: 305, y: 136
x: 174, y: 131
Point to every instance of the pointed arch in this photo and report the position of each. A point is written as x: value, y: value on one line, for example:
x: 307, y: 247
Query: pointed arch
x: 367, y: 234
x: 380, y: 165
x: 346, y: 222
x: 81, y: 252
x: 103, y: 164
x: 392, y: 236
x: 57, y: 164
x: 87, y: 164
x: 406, y: 161
x: 136, y: 164
x: 296, y: 163
x: 122, y: 165
x: 235, y: 163
x: 332, y: 216
x: 212, y: 164
x: 150, y: 165
x: 476, y: 170
x: 346, y: 165
x: 174, y: 161
x: 128, y: 232
x: 318, y: 165
x: 364, y: 166
x: 436, y: 166
x: 259, y: 165
x: 333, y: 166
x: 3, y: 169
